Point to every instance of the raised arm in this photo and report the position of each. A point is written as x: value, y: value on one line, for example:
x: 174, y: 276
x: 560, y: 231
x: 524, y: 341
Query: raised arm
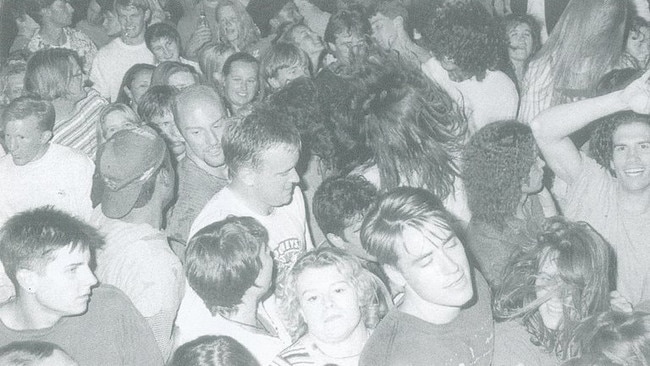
x: 553, y: 127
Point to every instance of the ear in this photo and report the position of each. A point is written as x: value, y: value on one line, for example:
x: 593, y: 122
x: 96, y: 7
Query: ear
x: 274, y: 22
x: 394, y: 275
x: 247, y: 175
x: 398, y: 22
x: 27, y: 280
x: 128, y: 93
x: 336, y: 241
x: 45, y: 137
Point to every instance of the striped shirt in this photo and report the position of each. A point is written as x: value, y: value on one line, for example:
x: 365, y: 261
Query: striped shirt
x: 81, y: 129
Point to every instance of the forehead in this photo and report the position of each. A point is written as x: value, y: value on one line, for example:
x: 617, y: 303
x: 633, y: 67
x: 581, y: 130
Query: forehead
x: 26, y: 124
x: 631, y: 131
x: 348, y: 36
x: 199, y: 111
x: 378, y: 18
x: 129, y: 10
x: 519, y: 27
x: 163, y: 40
x: 314, y: 278
x: 243, y: 67
x: 418, y: 241
x: 142, y: 76
x: 279, y: 158
x: 226, y: 11
x: 66, y: 256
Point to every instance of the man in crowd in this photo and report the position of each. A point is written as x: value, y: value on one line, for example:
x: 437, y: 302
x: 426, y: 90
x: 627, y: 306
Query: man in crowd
x: 114, y: 59
x: 138, y: 184
x: 33, y: 174
x: 201, y: 119
x: 442, y: 318
x: 47, y: 254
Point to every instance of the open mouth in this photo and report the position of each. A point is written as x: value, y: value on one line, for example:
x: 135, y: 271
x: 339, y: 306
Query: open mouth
x: 634, y: 172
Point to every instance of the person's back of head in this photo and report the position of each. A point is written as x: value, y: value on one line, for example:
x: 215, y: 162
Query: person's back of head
x: 34, y: 353
x: 614, y: 339
x: 50, y: 72
x: 223, y: 262
x: 213, y: 351
x: 134, y: 164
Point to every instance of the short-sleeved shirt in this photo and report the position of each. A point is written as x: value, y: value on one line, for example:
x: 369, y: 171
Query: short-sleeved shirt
x: 74, y: 40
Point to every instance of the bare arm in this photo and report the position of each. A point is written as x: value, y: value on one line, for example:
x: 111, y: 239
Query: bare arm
x: 553, y: 126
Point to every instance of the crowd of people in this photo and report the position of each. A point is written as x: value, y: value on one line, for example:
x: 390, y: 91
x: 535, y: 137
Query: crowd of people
x: 325, y: 182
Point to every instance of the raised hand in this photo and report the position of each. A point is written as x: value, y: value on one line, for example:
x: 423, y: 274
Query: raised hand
x: 637, y: 94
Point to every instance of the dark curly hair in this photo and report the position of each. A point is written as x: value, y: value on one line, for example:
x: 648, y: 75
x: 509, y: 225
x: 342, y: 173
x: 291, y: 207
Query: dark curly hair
x: 466, y: 34
x: 495, y: 161
x: 601, y: 146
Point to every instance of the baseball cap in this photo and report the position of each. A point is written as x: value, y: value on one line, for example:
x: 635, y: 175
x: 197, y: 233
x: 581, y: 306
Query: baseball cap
x: 126, y: 162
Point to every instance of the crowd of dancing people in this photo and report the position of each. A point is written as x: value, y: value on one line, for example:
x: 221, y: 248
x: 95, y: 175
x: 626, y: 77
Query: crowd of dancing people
x: 325, y: 182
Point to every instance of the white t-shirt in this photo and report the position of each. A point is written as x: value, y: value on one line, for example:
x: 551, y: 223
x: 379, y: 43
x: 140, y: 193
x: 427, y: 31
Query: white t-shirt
x: 112, y: 62
x: 289, y: 234
x: 493, y: 99
x: 195, y: 320
x: 62, y: 178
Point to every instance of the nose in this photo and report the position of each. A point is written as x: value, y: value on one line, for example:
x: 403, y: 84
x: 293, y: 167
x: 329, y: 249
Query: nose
x: 328, y: 301
x: 89, y: 278
x: 447, y: 265
x: 633, y: 154
x: 212, y: 139
x: 294, y: 177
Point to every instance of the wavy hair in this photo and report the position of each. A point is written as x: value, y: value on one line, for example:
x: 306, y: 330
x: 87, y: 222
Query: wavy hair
x: 585, y: 272
x: 601, y: 145
x: 587, y: 42
x: 373, y: 297
x: 414, y: 130
x: 211, y: 61
x: 466, y: 34
x: 248, y: 31
x: 50, y: 71
x: 495, y: 161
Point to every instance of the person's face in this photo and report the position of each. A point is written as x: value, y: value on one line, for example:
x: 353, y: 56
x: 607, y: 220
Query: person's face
x: 631, y: 156
x: 167, y: 127
x: 638, y: 44
x: 229, y: 23
x: 521, y: 42
x: 63, y: 286
x: 434, y: 265
x: 60, y: 13
x: 139, y: 85
x: 275, y: 177
x: 455, y: 73
x: 289, y: 14
x: 165, y: 49
x: 242, y: 83
x: 76, y: 84
x: 94, y: 13
x: 15, y: 86
x: 111, y: 25
x: 115, y: 121
x: 132, y: 21
x: 287, y: 74
x: 551, y: 311
x: 349, y: 47
x: 535, y: 181
x: 25, y: 141
x: 57, y: 358
x: 328, y: 303
x: 202, y: 125
x: 307, y: 40
x: 384, y: 30
x: 181, y: 80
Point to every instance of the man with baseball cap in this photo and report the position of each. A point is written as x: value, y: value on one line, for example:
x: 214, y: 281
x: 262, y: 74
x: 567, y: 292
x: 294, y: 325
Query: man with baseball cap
x: 138, y: 184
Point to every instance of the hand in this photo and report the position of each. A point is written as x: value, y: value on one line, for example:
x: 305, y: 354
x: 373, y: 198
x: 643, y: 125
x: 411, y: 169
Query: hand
x: 637, y: 94
x: 619, y: 303
x: 201, y: 36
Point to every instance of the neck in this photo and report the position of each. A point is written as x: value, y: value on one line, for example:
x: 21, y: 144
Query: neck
x: 52, y: 34
x: 247, y: 195
x: 429, y: 312
x: 518, y: 66
x: 519, y: 211
x: 348, y: 347
x: 150, y: 214
x: 637, y: 202
x: 219, y: 171
x: 63, y: 107
x: 314, y: 58
x: 134, y: 41
x: 25, y: 313
x: 247, y: 310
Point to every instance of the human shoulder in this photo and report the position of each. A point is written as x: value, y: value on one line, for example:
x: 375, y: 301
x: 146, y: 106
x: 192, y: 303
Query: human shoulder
x: 71, y: 156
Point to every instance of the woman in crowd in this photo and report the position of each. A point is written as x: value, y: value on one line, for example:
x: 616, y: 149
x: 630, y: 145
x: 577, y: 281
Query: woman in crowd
x: 242, y: 84
x: 55, y: 74
x: 523, y: 42
x: 330, y: 303
x: 174, y: 74
x: 211, y: 60
x: 585, y: 44
x: 236, y: 27
x: 503, y: 175
x: 116, y: 117
x: 548, y: 290
x: 308, y: 41
x: 135, y: 83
